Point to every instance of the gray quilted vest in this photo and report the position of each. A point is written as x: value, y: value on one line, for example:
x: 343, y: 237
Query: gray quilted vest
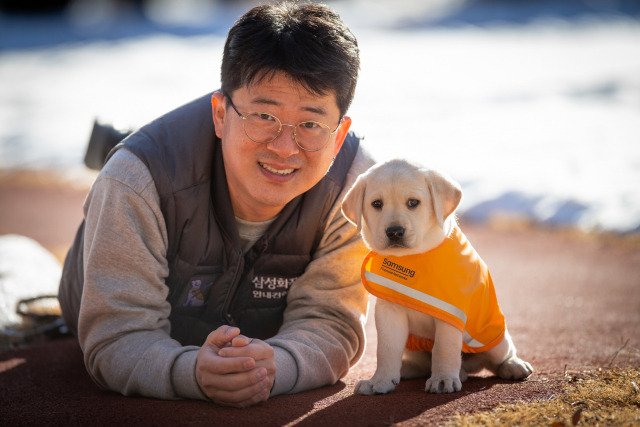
x: 211, y: 282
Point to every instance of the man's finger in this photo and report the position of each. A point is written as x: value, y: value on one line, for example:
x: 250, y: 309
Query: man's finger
x: 261, y: 396
x: 253, y: 348
x: 235, y: 382
x: 241, y: 341
x: 241, y: 389
x: 222, y: 336
x: 210, y: 363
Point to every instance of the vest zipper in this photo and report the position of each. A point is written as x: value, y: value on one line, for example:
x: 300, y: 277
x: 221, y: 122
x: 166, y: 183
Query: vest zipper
x: 234, y: 287
x: 241, y: 269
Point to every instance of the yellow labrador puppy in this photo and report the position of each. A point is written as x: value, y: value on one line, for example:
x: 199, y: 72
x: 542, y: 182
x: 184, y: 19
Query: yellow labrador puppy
x: 436, y: 309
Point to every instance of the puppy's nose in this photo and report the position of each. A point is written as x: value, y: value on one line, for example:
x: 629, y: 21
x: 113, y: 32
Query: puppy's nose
x: 395, y: 233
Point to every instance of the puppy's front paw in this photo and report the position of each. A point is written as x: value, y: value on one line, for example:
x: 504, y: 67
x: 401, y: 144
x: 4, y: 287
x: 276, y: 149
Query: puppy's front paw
x: 514, y: 369
x: 443, y: 384
x: 369, y: 387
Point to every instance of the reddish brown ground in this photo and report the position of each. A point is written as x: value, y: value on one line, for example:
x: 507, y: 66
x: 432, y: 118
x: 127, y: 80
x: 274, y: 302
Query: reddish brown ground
x: 572, y: 302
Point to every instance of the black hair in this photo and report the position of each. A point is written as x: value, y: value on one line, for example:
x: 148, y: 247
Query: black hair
x: 308, y: 42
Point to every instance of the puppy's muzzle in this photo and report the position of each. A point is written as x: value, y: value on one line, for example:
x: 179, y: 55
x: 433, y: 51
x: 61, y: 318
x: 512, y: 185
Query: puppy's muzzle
x: 395, y: 233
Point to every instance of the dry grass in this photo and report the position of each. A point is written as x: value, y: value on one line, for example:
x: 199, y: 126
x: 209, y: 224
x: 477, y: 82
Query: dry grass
x: 609, y: 397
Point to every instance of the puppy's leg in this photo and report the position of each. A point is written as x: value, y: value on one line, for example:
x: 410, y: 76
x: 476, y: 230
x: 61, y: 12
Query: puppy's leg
x: 445, y: 367
x: 415, y: 364
x: 512, y: 367
x: 393, y: 329
x: 502, y: 360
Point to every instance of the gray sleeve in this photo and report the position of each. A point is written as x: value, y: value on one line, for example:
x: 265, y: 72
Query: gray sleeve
x: 323, y: 330
x: 123, y: 323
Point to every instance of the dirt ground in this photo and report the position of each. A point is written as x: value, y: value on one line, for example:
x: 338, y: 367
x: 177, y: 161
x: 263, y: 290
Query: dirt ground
x: 572, y: 302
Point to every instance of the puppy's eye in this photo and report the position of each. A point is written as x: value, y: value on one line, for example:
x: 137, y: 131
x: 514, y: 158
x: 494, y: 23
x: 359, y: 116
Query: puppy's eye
x: 377, y: 204
x: 412, y: 203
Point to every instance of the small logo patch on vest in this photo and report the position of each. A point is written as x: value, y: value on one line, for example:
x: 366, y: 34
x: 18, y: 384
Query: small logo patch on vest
x: 195, y: 297
x: 266, y: 287
x: 397, y: 269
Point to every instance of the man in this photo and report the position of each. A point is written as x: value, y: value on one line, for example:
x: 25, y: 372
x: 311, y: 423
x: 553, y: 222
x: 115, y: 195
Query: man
x: 214, y: 262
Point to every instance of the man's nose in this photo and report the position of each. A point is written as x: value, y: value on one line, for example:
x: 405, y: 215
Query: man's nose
x: 285, y: 144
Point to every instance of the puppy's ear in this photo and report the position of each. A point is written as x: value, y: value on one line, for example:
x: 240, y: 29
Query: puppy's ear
x: 352, y: 203
x: 446, y: 195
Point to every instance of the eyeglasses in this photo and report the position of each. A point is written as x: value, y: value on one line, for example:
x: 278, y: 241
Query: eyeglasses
x: 264, y: 127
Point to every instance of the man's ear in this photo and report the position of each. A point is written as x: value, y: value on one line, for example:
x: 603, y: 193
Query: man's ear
x: 341, y: 134
x: 219, y: 111
x: 446, y: 195
x: 353, y: 201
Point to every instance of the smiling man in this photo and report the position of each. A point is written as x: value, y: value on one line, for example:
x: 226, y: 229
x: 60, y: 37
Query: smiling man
x: 214, y: 262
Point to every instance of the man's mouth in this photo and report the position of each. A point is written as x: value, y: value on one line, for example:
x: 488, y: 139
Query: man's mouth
x: 281, y: 172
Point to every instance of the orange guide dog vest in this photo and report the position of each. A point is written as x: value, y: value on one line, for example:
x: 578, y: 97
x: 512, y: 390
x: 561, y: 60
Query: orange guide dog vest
x: 450, y: 282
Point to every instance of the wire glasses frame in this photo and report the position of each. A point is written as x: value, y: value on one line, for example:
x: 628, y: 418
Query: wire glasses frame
x: 264, y: 128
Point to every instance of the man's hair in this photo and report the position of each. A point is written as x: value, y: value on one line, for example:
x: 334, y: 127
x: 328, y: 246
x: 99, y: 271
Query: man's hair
x: 308, y: 42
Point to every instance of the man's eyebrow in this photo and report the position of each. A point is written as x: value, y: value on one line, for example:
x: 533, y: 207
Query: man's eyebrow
x: 267, y: 101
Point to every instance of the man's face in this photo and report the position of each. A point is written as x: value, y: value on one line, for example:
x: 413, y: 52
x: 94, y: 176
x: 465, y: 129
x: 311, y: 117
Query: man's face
x: 263, y: 178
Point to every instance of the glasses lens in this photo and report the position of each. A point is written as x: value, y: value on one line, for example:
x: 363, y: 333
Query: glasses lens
x: 312, y: 136
x: 261, y: 127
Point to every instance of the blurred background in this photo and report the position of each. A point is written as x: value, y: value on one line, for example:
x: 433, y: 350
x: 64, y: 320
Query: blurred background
x: 532, y: 105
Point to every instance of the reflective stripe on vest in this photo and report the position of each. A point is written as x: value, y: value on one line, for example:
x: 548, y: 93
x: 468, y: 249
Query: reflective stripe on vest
x: 450, y: 282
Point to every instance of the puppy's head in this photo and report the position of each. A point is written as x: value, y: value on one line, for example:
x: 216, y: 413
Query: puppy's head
x: 401, y: 208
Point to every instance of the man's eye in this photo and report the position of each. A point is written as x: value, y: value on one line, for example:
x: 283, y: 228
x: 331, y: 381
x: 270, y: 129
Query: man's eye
x: 308, y: 125
x: 265, y: 116
x: 377, y: 204
x: 412, y: 203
